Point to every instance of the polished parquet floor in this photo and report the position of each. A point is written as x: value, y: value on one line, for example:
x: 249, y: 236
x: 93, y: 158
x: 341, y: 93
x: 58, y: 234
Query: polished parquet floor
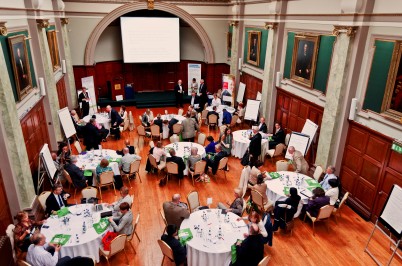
x: 343, y: 245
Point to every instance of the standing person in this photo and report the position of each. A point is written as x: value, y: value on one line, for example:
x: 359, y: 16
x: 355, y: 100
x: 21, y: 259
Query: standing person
x: 226, y: 140
x: 178, y: 89
x: 190, y: 126
x: 194, y: 85
x: 84, y: 99
x: 203, y: 94
x: 254, y: 147
x: 299, y: 163
x: 115, y: 121
x: 92, y: 135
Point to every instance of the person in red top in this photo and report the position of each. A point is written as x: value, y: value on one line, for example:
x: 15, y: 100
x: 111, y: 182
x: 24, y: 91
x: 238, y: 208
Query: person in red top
x: 23, y: 230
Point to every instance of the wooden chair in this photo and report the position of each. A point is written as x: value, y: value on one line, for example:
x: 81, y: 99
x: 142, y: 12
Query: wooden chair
x: 318, y: 172
x: 134, y: 171
x: 243, y: 182
x: 338, y: 210
x: 171, y: 169
x: 212, y: 121
x: 282, y: 165
x: 259, y: 201
x: 89, y: 192
x: 201, y: 139
x: 70, y: 181
x: 180, y: 112
x: 155, y: 132
x: 193, y: 200
x: 42, y: 198
x: 289, y: 224
x: 77, y: 145
x: 323, y: 215
x: 174, y: 138
x: 131, y: 121
x: 177, y: 129
x: 141, y: 132
x: 222, y: 165
x: 264, y: 261
x: 166, y: 251
x: 10, y: 234
x: 204, y: 115
x: 199, y: 169
x: 106, y: 179
x: 287, y: 138
x: 130, y: 237
x: 164, y: 220
x: 117, y: 245
x: 154, y: 165
x: 276, y: 152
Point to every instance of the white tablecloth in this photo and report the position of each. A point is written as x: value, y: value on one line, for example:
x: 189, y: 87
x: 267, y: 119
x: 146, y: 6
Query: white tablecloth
x: 89, y: 242
x: 91, y: 160
x: 212, y: 250
x: 165, y: 127
x: 241, y: 143
x: 184, y: 149
x: 101, y: 118
x: 219, y: 110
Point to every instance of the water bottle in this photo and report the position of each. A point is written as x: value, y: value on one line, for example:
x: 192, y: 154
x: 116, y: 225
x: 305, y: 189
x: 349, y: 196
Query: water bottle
x: 84, y: 228
x: 77, y: 240
x: 220, y: 232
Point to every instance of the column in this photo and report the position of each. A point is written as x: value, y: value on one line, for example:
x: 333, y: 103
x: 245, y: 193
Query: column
x: 234, y: 57
x: 336, y: 88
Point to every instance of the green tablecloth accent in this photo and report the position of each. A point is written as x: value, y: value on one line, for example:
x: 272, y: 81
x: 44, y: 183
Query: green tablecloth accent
x: 102, y: 225
x: 60, y: 239
x: 274, y: 175
x: 117, y: 160
x: 88, y: 173
x: 185, y: 235
x: 63, y: 212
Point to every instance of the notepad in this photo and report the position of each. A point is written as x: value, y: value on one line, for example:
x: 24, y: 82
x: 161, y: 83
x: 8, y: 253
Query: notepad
x: 274, y: 175
x: 63, y: 212
x: 60, y: 239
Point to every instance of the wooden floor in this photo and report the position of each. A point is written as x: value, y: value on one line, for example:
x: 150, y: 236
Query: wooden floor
x: 343, y: 245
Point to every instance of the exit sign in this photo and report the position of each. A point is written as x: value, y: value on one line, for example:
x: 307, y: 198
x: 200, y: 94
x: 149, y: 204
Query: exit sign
x: 396, y: 147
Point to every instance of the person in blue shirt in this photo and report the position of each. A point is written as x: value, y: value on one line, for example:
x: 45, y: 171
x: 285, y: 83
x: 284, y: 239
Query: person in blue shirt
x: 210, y: 148
x: 227, y: 117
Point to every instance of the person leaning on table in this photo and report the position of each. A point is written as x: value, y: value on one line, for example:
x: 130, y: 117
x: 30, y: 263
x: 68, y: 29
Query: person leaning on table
x: 299, y: 163
x: 124, y: 224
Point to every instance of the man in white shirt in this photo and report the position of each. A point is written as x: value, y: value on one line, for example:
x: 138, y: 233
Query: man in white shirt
x: 38, y: 255
x: 127, y: 159
x: 215, y: 101
x: 329, y: 175
x: 125, y: 197
x: 333, y: 192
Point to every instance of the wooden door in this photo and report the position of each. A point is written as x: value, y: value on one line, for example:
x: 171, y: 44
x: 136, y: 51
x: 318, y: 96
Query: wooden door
x: 62, y: 93
x: 5, y: 214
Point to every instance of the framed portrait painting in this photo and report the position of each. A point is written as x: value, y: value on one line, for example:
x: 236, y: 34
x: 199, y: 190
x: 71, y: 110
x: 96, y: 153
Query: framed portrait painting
x: 53, y: 49
x: 253, y: 49
x: 20, y: 63
x: 304, y: 59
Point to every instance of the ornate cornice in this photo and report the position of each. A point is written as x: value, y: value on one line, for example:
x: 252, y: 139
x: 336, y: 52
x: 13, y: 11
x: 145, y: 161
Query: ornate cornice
x: 234, y: 23
x: 64, y: 21
x: 3, y: 28
x: 271, y: 25
x: 42, y: 23
x: 349, y: 30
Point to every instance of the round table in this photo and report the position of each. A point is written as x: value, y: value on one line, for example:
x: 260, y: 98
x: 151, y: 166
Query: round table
x: 165, y: 127
x: 241, y: 142
x: 206, y: 247
x: 88, y: 242
x: 219, y: 110
x: 101, y: 118
x: 275, y: 187
x: 91, y: 159
x: 183, y: 150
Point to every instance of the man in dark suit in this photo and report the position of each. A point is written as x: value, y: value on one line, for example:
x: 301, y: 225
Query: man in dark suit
x: 214, y: 162
x: 251, y: 250
x: 277, y: 137
x: 203, y: 94
x: 171, y: 123
x: 178, y: 90
x: 158, y: 121
x: 76, y: 174
x: 56, y: 200
x: 115, y: 121
x: 84, y: 99
x: 254, y: 147
x: 175, y: 159
x: 92, y: 136
x: 262, y: 126
x: 195, y: 100
x: 131, y: 149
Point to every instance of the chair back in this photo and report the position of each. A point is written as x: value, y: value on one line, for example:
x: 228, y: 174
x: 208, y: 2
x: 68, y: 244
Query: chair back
x: 177, y: 128
x: 244, y: 207
x: 126, y: 124
x: 213, y: 119
x: 204, y: 114
x: 141, y: 130
x: 137, y: 220
x: 89, y: 192
x: 135, y: 166
x: 325, y: 212
x: 287, y: 138
x: 42, y: 198
x: 152, y: 161
x: 166, y: 250
x: 222, y: 129
x: 180, y: 111
x: 172, y: 168
x: 318, y: 172
x: 282, y: 165
x: 106, y: 177
x: 151, y: 144
x: 155, y: 131
x: 174, y: 138
x: 264, y: 261
x: 279, y: 149
x: 117, y: 244
x: 68, y: 177
x: 257, y: 198
x: 199, y: 167
x: 10, y: 234
x: 78, y: 146
x: 163, y: 216
x: 242, y: 112
x: 193, y: 200
x: 245, y: 174
x: 234, y: 121
x: 201, y: 139
x: 345, y: 197
x: 222, y: 163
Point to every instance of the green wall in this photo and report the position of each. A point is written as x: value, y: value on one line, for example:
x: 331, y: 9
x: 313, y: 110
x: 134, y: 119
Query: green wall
x: 289, y: 54
x: 263, y: 47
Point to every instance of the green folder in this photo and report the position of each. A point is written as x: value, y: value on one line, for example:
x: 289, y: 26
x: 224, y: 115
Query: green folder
x: 117, y: 160
x: 286, y: 190
x: 63, y: 212
x: 312, y: 182
x: 60, y: 239
x: 102, y: 225
x: 185, y: 235
x: 274, y: 175
x: 88, y: 172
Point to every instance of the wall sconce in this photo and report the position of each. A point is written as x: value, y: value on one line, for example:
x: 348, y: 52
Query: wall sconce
x: 63, y: 66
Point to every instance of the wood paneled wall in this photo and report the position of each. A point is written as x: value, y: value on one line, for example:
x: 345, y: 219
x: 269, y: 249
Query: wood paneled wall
x: 148, y: 77
x: 253, y: 86
x: 62, y: 93
x: 34, y: 130
x: 5, y: 214
x: 369, y: 169
x: 292, y: 111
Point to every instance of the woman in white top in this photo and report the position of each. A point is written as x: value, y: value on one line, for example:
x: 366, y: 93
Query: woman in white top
x: 123, y: 113
x: 333, y: 192
x: 194, y: 85
x: 215, y: 101
x: 158, y: 152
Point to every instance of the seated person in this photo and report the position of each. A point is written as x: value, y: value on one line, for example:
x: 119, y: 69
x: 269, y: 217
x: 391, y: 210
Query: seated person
x: 293, y: 200
x: 175, y: 211
x: 215, y: 101
x: 277, y: 137
x: 102, y: 130
x: 125, y: 197
x: 146, y: 118
x: 213, y: 162
x: 236, y: 206
x: 56, y: 200
x: 78, y: 123
x: 255, y: 171
x: 158, y: 152
x: 213, y: 112
x: 58, y: 165
x: 125, y: 223
x: 126, y: 160
x: 170, y: 125
x: 333, y: 192
x: 193, y: 158
x: 123, y: 113
x: 63, y: 154
x: 262, y: 126
x: 300, y: 165
x: 24, y: 230
x: 250, y: 251
x: 314, y: 204
x: 102, y: 167
x: 92, y: 135
x: 210, y: 147
x: 38, y: 254
x: 179, y: 161
x: 76, y: 174
x: 179, y: 251
x: 131, y: 149
x: 261, y: 187
x: 329, y: 174
x: 227, y: 117
x: 159, y: 122
x: 255, y: 218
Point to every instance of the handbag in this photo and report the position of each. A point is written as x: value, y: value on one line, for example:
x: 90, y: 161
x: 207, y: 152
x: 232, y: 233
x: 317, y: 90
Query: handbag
x: 107, y: 239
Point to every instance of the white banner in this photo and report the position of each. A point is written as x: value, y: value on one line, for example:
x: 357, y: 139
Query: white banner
x: 228, y: 85
x: 88, y: 82
x: 193, y: 71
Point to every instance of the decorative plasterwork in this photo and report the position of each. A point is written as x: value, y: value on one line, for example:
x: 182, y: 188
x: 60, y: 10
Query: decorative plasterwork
x: 349, y: 30
x: 42, y: 23
x: 271, y: 25
x: 234, y: 23
x: 64, y: 21
x: 3, y: 28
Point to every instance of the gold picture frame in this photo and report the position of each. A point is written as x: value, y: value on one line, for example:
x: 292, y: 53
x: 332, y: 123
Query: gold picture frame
x: 20, y: 63
x: 53, y: 49
x: 392, y: 102
x: 304, y: 59
x: 254, y: 47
